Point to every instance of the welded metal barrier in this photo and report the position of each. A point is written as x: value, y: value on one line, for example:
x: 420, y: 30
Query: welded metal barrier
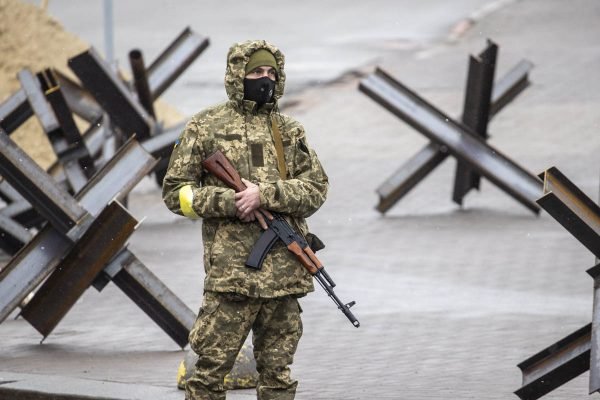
x: 99, y: 243
x: 83, y: 242
x: 54, y: 98
x: 579, y: 351
x: 465, y: 141
x: 41, y: 96
x: 41, y: 191
x: 79, y: 255
x: 134, y: 114
x: 34, y: 262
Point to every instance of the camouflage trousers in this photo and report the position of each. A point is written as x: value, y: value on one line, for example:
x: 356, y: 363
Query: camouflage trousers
x: 224, y: 322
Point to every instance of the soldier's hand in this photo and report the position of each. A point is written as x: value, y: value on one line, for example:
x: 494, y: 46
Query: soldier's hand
x: 261, y: 215
x: 258, y: 216
x: 247, y: 201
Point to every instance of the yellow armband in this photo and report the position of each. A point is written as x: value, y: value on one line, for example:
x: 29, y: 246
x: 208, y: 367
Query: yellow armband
x: 186, y: 202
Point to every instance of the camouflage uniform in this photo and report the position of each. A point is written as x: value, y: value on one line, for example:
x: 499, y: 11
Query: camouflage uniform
x: 237, y: 298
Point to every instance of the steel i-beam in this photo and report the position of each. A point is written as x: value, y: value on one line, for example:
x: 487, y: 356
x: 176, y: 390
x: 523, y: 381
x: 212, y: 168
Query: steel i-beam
x: 572, y: 208
x: 79, y: 100
x: 74, y: 274
x: 567, y: 358
x: 13, y: 234
x: 476, y: 113
x: 594, y: 384
x: 579, y: 351
x: 37, y: 187
x: 67, y: 141
x: 556, y: 365
x: 112, y: 94
x: 174, y: 60
x: 46, y: 101
x: 151, y: 295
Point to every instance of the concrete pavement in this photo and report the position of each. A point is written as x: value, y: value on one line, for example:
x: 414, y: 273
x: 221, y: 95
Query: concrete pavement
x: 449, y: 299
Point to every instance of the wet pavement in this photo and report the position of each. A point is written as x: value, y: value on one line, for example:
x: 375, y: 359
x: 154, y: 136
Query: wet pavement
x: 450, y: 299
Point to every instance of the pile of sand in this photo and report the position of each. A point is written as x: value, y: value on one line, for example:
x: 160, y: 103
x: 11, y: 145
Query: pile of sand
x: 30, y: 38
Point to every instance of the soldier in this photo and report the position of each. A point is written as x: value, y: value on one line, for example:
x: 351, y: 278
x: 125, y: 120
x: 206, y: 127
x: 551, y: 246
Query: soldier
x: 282, y: 174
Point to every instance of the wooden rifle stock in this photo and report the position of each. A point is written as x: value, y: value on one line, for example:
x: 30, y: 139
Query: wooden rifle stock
x: 220, y: 166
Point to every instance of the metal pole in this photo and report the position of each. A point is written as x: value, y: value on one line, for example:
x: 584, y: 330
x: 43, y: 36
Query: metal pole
x: 109, y: 42
x: 110, y: 145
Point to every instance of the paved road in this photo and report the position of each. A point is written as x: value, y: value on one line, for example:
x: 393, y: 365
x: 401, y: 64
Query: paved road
x: 450, y: 300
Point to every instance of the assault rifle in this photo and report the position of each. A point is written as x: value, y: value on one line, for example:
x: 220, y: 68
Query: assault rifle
x: 278, y: 228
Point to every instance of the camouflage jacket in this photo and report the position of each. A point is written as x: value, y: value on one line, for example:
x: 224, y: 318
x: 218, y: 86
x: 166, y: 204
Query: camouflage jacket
x: 243, y: 133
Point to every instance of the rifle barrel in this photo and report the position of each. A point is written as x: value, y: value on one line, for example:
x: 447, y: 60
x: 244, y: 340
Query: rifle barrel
x: 345, y: 308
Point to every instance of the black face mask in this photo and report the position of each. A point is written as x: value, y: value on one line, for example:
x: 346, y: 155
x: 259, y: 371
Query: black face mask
x: 259, y: 90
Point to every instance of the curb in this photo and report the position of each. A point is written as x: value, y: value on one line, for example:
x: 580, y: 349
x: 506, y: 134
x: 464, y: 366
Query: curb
x: 15, y: 386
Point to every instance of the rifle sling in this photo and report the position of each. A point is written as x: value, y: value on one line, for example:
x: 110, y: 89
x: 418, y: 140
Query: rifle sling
x: 278, y: 149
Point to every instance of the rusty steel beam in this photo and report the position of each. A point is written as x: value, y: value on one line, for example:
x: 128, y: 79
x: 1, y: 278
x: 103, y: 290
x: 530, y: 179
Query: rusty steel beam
x: 34, y: 184
x: 112, y: 94
x: 461, y: 143
x: 556, y: 365
x: 34, y: 262
x: 82, y: 263
x: 151, y: 295
x: 426, y: 160
x: 175, y: 59
x: 29, y: 267
x: 476, y: 113
x: 572, y: 208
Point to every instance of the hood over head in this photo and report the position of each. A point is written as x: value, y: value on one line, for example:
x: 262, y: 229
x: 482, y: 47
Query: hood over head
x: 237, y: 58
